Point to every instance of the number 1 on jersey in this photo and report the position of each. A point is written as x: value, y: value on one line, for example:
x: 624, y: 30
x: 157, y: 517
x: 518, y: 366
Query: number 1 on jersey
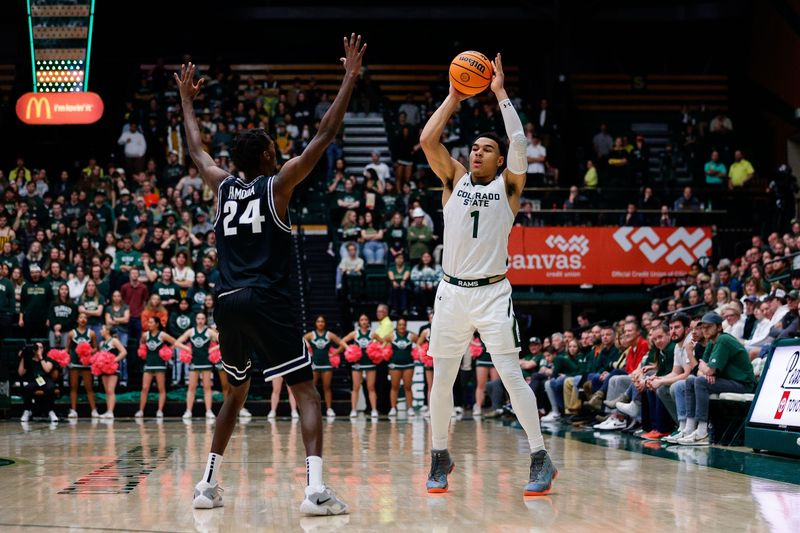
x: 251, y: 215
x: 475, y: 215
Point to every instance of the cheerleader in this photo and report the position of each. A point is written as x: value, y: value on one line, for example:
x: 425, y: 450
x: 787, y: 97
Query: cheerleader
x: 277, y: 385
x: 153, y: 341
x: 362, y: 336
x: 423, y: 339
x: 320, y: 341
x: 484, y: 371
x: 110, y: 343
x: 401, y: 365
x: 199, y: 338
x: 78, y: 370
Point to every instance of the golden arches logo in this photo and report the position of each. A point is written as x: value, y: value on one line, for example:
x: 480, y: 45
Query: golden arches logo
x: 39, y: 103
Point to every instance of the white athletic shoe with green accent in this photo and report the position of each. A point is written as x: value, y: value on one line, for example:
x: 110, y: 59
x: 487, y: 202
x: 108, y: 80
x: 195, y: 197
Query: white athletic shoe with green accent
x: 322, y: 501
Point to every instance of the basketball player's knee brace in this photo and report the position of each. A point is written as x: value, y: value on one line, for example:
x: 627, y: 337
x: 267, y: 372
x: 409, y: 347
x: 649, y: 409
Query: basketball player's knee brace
x: 516, y: 160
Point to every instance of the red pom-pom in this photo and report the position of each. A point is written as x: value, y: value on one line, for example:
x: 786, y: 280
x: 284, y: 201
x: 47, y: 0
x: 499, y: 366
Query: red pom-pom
x: 185, y: 357
x: 142, y: 351
x: 420, y: 353
x: 60, y: 357
x: 103, y: 363
x: 475, y: 348
x: 388, y: 351
x: 165, y: 353
x: 214, y: 356
x: 375, y: 352
x: 335, y: 360
x: 353, y: 353
x: 427, y: 361
x: 84, y: 351
x: 333, y: 350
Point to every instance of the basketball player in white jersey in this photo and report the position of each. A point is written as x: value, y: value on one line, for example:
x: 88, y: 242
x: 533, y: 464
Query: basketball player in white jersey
x: 479, y: 209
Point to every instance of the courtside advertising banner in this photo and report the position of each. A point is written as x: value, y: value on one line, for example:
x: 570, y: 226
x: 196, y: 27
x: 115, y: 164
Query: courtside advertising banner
x: 778, y: 402
x: 603, y: 256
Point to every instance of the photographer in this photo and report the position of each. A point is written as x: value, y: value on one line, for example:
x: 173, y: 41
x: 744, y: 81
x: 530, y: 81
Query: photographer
x: 34, y: 367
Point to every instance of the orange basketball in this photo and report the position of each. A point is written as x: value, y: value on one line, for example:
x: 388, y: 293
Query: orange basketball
x: 470, y: 72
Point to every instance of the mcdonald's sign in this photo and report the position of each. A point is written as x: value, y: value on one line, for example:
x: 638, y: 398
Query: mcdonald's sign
x: 59, y: 108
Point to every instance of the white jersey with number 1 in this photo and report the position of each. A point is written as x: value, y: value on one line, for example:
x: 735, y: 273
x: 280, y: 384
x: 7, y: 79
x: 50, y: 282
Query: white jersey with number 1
x: 477, y: 222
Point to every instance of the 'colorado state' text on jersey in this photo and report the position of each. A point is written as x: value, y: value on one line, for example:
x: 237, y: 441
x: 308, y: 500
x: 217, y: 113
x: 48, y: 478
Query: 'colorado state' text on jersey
x: 254, y: 245
x: 477, y: 222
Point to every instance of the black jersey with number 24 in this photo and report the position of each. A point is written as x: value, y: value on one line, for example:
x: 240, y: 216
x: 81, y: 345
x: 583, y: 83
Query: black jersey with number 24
x: 254, y: 244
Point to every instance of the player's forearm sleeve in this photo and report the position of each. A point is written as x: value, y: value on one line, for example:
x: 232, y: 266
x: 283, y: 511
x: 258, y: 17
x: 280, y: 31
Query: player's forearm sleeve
x: 516, y: 161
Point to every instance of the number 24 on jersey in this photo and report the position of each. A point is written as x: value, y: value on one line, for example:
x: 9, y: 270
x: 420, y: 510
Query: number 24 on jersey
x: 251, y: 215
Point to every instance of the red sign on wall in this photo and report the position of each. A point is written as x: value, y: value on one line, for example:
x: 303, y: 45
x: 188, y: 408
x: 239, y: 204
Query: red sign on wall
x: 603, y: 256
x: 60, y: 108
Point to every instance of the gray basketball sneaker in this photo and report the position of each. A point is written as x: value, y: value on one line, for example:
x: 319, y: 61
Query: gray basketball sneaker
x: 322, y: 502
x: 207, y: 495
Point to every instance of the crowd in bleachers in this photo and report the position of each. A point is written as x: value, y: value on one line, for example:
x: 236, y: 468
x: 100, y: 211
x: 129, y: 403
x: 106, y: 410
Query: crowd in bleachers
x: 129, y: 243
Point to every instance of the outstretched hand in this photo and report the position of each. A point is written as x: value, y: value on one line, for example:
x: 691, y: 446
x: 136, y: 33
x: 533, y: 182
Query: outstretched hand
x: 186, y: 85
x: 353, y: 54
x: 458, y: 95
x: 499, y: 78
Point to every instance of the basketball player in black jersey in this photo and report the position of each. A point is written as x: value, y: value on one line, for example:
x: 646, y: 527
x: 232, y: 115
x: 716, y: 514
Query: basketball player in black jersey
x: 254, y: 308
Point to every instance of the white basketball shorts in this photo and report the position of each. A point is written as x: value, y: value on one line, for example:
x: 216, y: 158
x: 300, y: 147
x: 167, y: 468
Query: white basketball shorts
x: 459, y: 311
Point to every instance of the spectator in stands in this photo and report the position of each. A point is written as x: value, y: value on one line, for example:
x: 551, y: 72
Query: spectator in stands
x: 687, y: 202
x: 381, y: 169
x: 35, y: 298
x: 425, y: 277
x: 590, y: 180
x: 350, y: 265
x: 374, y: 249
x: 197, y: 292
x: 640, y: 161
x: 741, y: 171
x: 154, y: 308
x: 134, y: 294
x: 602, y: 143
x: 420, y: 235
x: 664, y: 219
x: 715, y: 171
x: 725, y: 367
x: 671, y: 388
x: 526, y: 217
x: 733, y: 320
x: 91, y: 304
x: 395, y: 235
x: 182, y: 273
x: 631, y: 217
x: 789, y: 325
x: 537, y: 155
x: 400, y: 278
x: 727, y: 280
x: 62, y: 316
x: 721, y: 124
x: 723, y: 298
x: 349, y: 232
x: 34, y: 369
x: 404, y: 147
x: 618, y: 161
x: 411, y: 110
x: 135, y: 147
x: 349, y: 198
x: 563, y: 367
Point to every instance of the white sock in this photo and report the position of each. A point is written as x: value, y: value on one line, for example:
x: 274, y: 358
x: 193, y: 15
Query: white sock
x: 681, y: 425
x: 522, y: 398
x: 212, y: 466
x: 702, y: 429
x: 691, y: 425
x: 314, y: 471
x: 445, y: 370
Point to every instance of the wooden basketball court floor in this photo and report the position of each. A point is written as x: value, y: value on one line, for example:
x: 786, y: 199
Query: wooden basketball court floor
x: 128, y: 476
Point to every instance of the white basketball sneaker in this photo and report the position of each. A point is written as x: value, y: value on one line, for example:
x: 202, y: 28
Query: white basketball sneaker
x: 322, y: 501
x: 207, y: 495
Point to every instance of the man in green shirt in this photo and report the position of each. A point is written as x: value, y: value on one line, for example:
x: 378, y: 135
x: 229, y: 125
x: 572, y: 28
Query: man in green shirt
x: 715, y: 170
x: 419, y: 236
x: 35, y: 304
x: 725, y: 367
x: 563, y: 367
x: 126, y: 259
x: 741, y: 171
x: 530, y: 361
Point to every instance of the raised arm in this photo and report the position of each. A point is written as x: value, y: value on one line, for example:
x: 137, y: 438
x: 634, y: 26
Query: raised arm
x: 516, y: 160
x: 436, y: 153
x: 212, y: 175
x: 295, y: 170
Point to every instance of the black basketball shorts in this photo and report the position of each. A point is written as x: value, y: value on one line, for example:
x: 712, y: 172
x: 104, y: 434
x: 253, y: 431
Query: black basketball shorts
x: 255, y: 322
